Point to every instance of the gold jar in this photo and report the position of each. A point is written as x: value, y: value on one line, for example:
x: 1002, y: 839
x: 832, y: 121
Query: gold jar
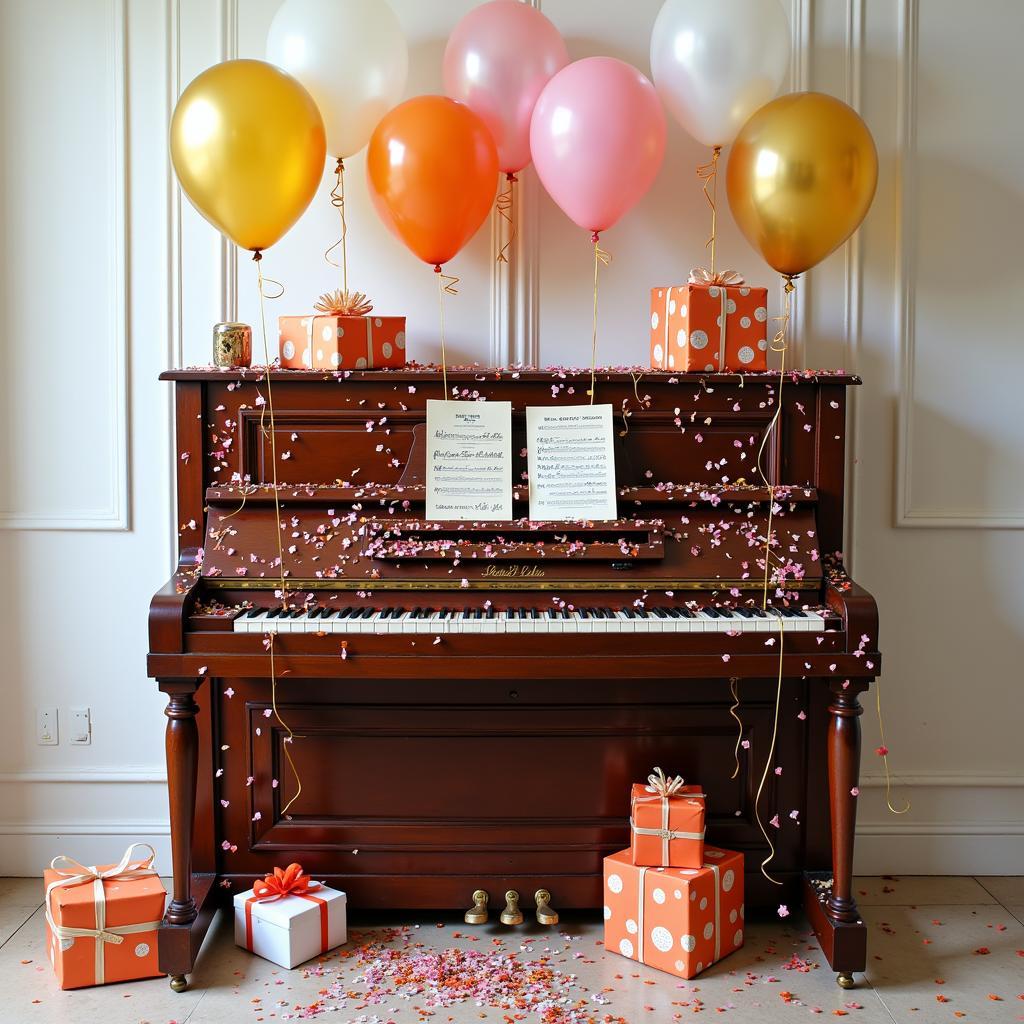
x: 232, y: 345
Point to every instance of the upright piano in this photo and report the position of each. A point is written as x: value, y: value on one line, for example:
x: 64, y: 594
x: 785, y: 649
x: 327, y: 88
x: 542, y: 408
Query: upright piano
x: 467, y: 704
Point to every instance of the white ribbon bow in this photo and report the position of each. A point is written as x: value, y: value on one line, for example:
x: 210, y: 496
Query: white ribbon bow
x: 724, y: 278
x: 72, y: 873
x: 658, y: 783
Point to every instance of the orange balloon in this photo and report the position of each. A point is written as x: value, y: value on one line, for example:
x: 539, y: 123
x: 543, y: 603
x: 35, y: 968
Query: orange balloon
x: 432, y: 168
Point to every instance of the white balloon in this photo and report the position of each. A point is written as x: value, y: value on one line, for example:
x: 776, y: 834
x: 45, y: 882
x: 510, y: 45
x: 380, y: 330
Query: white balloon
x: 714, y: 62
x: 352, y: 57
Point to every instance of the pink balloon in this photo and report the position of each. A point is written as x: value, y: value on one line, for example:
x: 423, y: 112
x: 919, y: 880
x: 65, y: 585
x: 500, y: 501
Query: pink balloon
x: 598, y: 139
x: 498, y: 59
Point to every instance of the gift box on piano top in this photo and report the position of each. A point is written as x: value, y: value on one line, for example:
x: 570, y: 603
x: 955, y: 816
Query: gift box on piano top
x: 101, y: 922
x: 337, y: 342
x: 679, y: 920
x: 666, y: 823
x: 712, y: 323
x: 288, y: 919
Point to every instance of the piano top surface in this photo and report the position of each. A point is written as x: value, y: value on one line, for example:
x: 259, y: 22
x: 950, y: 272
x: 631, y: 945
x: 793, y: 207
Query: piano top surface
x: 425, y: 373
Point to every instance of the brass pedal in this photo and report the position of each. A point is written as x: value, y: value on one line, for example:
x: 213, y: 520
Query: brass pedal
x: 477, y: 914
x: 511, y: 915
x: 546, y: 914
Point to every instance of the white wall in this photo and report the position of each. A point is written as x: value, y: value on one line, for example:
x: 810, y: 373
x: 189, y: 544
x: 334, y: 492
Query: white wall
x: 109, y: 276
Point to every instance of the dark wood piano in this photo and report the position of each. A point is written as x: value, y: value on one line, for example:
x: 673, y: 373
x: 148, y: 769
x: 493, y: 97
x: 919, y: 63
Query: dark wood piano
x: 471, y: 702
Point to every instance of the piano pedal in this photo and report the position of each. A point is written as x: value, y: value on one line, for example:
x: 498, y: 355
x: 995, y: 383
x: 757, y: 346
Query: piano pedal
x: 845, y: 979
x: 511, y: 915
x: 477, y: 914
x: 546, y: 914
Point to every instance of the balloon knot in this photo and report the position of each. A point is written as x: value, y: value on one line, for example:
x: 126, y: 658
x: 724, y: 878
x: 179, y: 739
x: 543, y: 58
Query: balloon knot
x: 595, y: 237
x: 510, y: 177
x: 339, y: 166
x: 437, y: 268
x: 256, y: 255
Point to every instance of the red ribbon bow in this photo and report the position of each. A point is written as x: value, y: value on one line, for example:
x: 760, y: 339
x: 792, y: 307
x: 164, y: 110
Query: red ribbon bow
x: 292, y: 881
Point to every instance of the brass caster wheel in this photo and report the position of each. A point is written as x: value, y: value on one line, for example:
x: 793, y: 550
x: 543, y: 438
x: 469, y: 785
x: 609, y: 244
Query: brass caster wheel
x: 477, y: 914
x: 178, y: 983
x: 845, y: 980
x: 511, y: 915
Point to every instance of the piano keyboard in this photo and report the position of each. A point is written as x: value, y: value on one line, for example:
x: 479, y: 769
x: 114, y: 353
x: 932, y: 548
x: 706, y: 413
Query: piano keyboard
x: 523, y: 620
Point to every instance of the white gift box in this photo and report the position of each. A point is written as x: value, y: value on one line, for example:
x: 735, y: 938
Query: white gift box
x: 291, y: 930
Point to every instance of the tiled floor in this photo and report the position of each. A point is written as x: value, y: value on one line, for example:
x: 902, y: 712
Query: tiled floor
x: 940, y: 949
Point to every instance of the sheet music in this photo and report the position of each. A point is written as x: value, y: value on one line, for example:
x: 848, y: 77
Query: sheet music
x: 571, y: 462
x: 469, y: 460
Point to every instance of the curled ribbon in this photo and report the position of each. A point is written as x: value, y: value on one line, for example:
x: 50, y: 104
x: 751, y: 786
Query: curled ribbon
x: 292, y: 881
x: 666, y: 787
x: 724, y: 278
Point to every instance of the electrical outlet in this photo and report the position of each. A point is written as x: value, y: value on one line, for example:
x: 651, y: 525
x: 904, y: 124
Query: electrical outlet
x: 79, y: 727
x: 46, y: 727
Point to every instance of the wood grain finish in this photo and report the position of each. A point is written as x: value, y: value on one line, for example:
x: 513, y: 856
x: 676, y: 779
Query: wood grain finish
x: 500, y: 762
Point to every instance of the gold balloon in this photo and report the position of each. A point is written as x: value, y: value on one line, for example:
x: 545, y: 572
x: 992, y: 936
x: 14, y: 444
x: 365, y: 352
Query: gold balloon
x: 801, y: 177
x: 248, y: 146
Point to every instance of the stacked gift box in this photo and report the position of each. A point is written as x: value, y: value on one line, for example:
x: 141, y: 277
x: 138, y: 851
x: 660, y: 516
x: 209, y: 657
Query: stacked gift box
x: 670, y: 901
x: 714, y: 322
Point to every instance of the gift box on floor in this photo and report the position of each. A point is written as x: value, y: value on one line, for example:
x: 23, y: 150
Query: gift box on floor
x: 101, y: 922
x: 679, y: 920
x: 666, y: 823
x: 711, y: 323
x: 289, y: 919
x: 339, y: 342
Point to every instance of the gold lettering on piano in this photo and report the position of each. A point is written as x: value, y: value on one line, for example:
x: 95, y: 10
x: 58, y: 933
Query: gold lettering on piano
x: 509, y: 571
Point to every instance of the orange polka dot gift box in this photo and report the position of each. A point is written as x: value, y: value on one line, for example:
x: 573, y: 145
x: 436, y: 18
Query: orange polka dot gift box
x: 710, y: 324
x: 101, y: 922
x: 678, y: 920
x: 338, y: 342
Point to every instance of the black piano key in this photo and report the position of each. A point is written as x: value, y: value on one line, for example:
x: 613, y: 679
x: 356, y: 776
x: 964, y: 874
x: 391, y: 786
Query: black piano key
x: 710, y: 610
x: 253, y: 612
x: 724, y: 613
x: 273, y: 613
x: 686, y: 613
x: 582, y: 612
x: 743, y: 613
x: 566, y: 614
x: 513, y: 613
x: 629, y: 613
x: 344, y: 613
x: 660, y: 612
x: 328, y: 612
x: 490, y: 613
x: 552, y: 614
x: 315, y: 612
x: 673, y: 613
x: 477, y: 613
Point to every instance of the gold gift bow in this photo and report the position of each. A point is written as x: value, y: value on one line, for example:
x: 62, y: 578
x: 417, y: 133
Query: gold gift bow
x: 311, y: 327
x: 658, y: 783
x: 74, y: 874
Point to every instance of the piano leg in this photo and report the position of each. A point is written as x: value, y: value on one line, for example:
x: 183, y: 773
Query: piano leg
x: 187, y: 919
x: 829, y: 900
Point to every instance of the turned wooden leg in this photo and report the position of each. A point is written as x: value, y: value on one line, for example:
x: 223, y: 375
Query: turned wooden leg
x: 843, y: 772
x: 182, y: 741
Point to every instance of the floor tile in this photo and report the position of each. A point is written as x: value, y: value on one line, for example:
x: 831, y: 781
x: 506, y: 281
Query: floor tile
x: 919, y: 890
x: 1017, y: 911
x: 29, y: 991
x: 933, y: 963
x: 19, y: 899
x: 1006, y: 889
x: 778, y: 974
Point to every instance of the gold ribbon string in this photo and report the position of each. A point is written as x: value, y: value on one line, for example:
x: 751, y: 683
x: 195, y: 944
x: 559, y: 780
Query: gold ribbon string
x: 286, y: 745
x: 269, y: 405
x: 445, y: 286
x: 338, y: 202
x: 505, y: 205
x: 778, y: 344
x: 734, y: 690
x: 600, y: 257
x: 771, y: 756
x: 708, y: 173
x: 885, y: 755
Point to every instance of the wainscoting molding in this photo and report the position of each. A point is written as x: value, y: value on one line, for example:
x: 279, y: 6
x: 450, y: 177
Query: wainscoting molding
x: 907, y: 513
x: 116, y: 514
